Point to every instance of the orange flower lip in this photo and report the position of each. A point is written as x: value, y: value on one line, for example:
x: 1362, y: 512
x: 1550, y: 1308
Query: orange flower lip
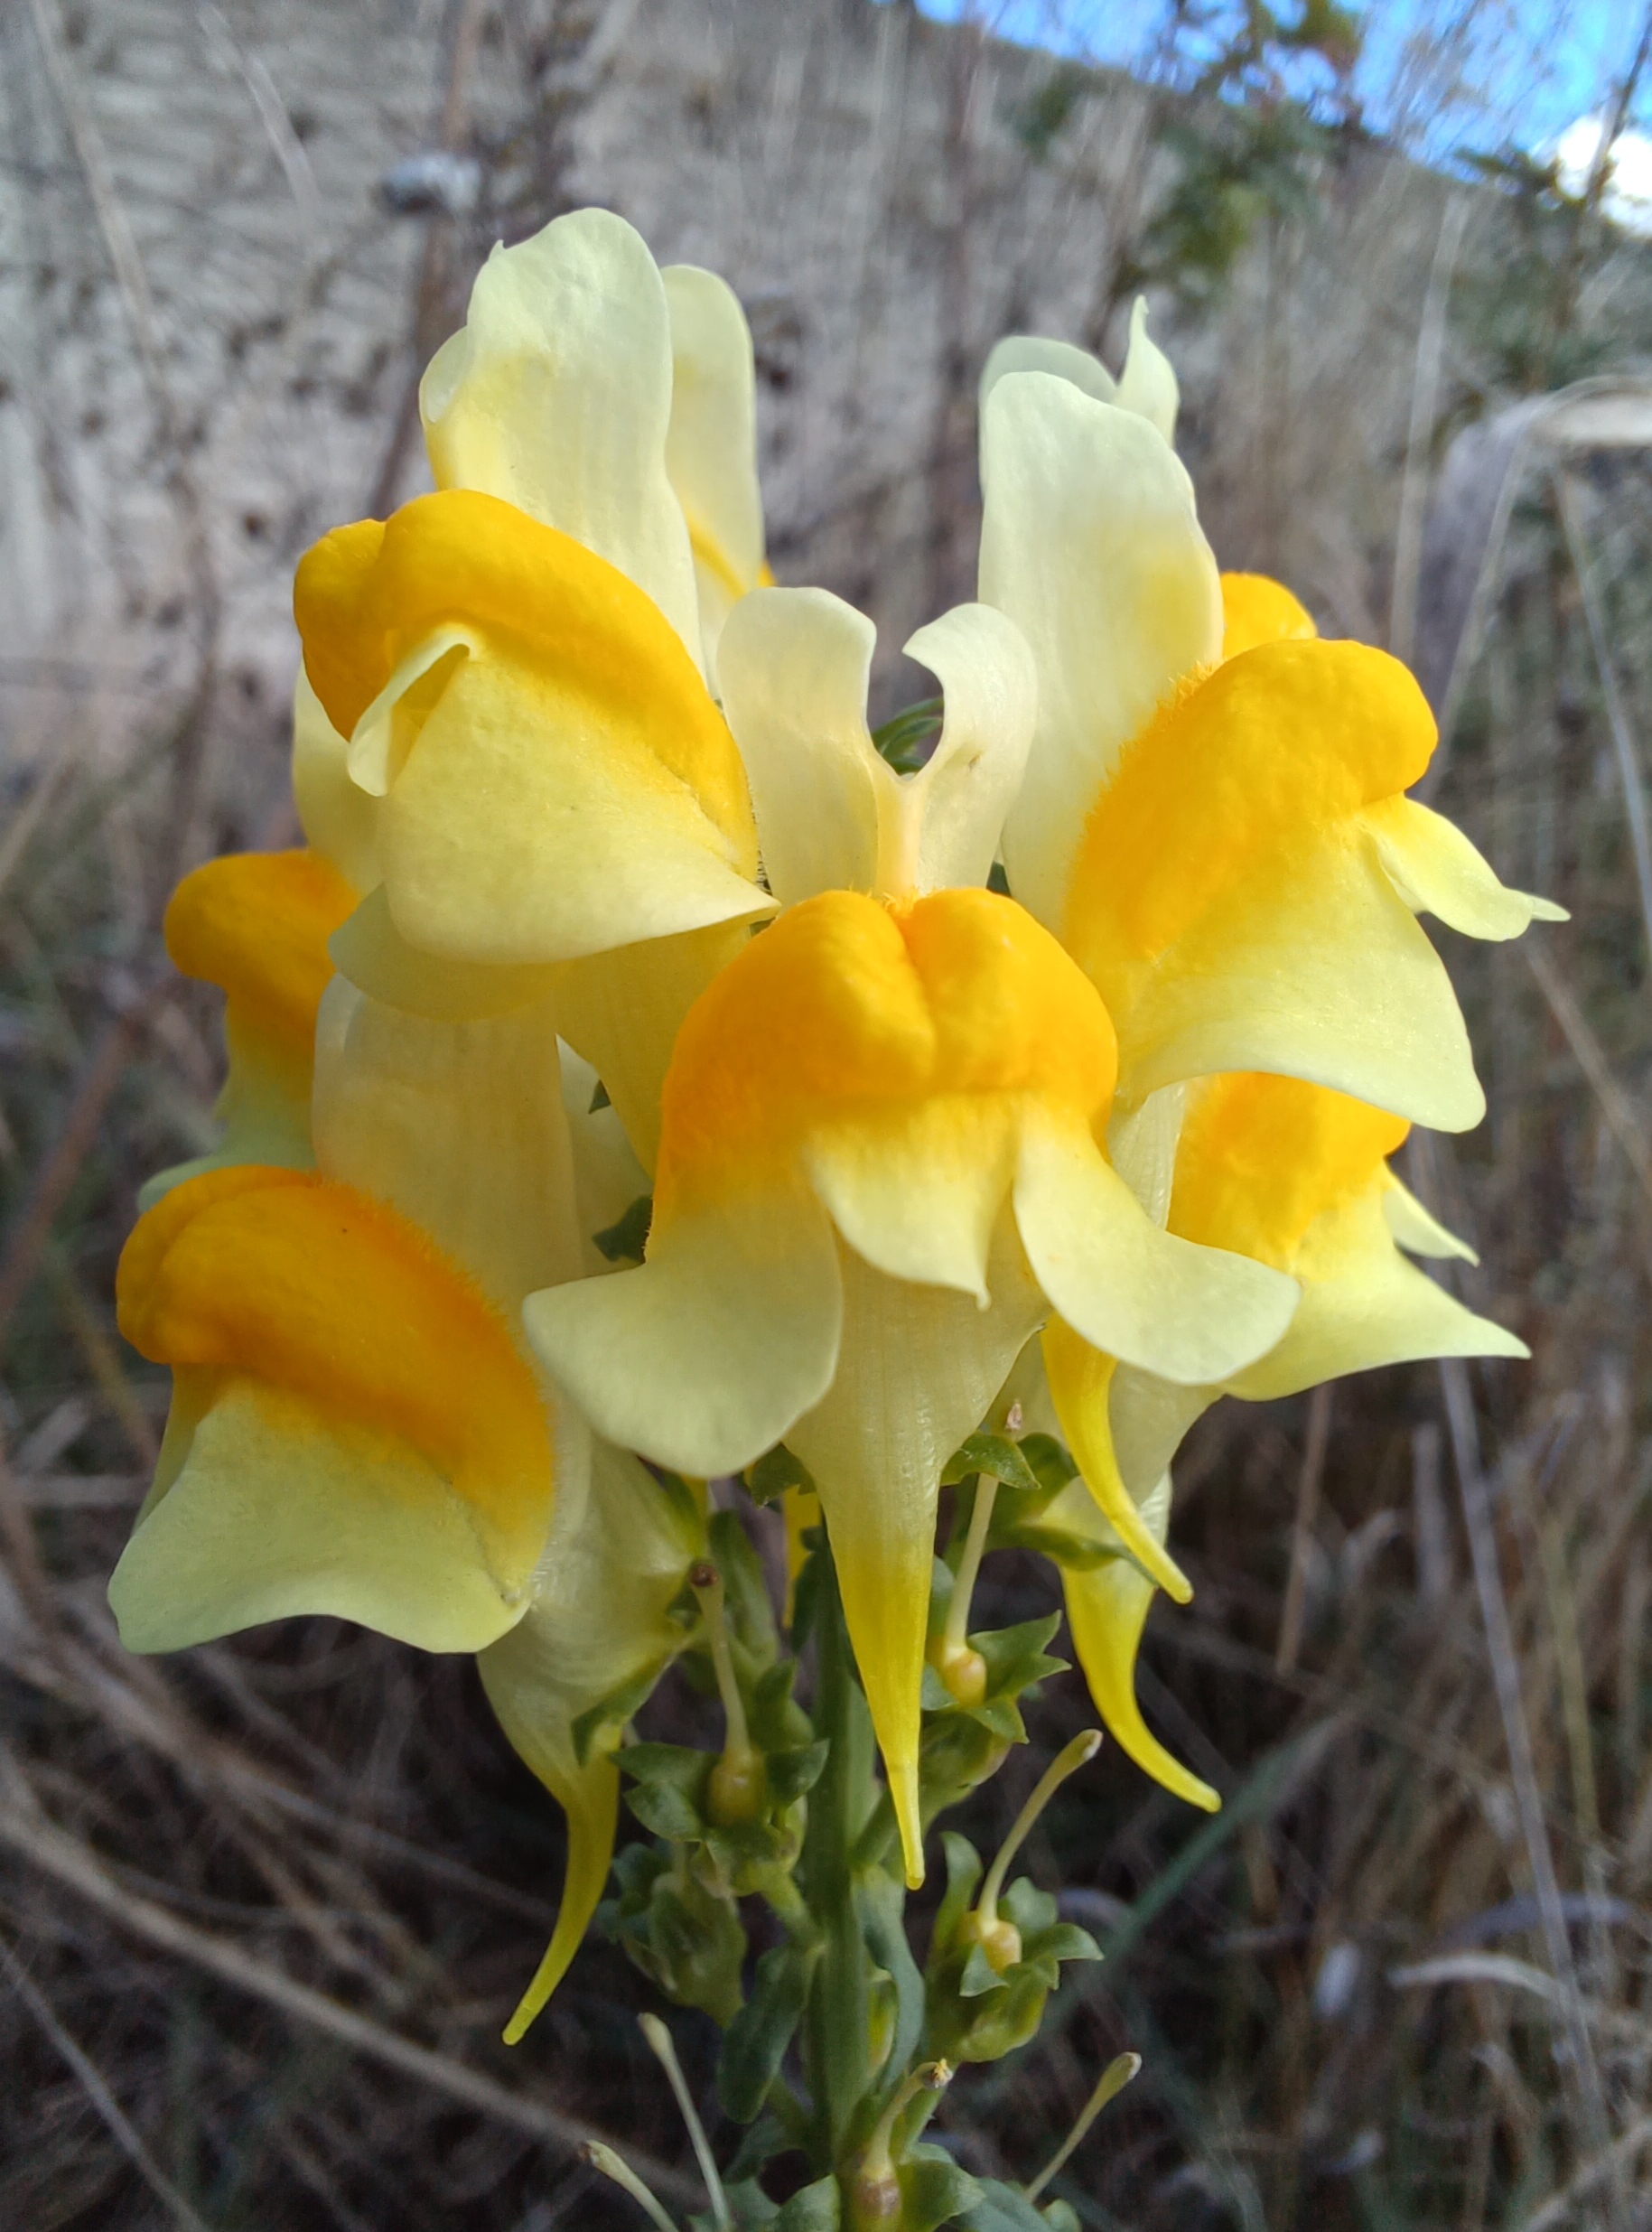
x: 847, y: 1005
x: 305, y: 1285
x: 257, y: 924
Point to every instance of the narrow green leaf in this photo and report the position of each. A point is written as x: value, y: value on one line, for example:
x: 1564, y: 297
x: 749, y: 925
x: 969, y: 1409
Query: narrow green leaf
x: 775, y: 1472
x: 817, y: 2208
x: 755, y: 2043
x: 992, y: 1454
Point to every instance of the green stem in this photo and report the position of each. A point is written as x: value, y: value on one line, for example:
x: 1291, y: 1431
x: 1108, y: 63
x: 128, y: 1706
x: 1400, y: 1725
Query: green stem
x: 969, y: 1564
x: 1065, y: 1762
x: 838, y: 2033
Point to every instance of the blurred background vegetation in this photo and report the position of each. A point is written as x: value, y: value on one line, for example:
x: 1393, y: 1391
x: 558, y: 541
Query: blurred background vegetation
x: 264, y: 1908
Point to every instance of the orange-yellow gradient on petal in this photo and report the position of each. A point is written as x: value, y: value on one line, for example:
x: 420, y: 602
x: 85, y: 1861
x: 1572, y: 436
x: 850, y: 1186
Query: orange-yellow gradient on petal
x: 557, y: 780
x: 1261, y: 1158
x: 257, y: 924
x: 847, y: 1007
x: 314, y: 1292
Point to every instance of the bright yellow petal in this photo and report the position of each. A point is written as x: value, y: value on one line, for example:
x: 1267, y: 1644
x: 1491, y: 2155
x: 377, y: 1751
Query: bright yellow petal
x: 1080, y: 1381
x: 703, y: 1359
x: 324, y: 1303
x: 917, y: 1369
x: 1229, y: 903
x: 1256, y: 610
x: 599, y: 1620
x: 558, y: 781
x: 1261, y: 1158
x: 257, y: 924
x: 458, y: 1126
x: 1107, y: 1608
x: 1436, y: 871
x: 340, y: 821
x: 556, y: 394
x: 1090, y: 543
x: 711, y: 444
x: 1190, y: 1313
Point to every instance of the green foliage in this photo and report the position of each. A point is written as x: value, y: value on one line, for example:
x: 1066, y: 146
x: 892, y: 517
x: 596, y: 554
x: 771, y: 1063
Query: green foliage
x: 833, y: 2036
x: 981, y: 2005
x: 775, y: 1472
x: 904, y: 741
x: 1044, y: 114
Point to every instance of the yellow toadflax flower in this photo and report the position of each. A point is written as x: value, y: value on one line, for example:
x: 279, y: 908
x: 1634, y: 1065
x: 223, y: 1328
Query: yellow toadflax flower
x: 1293, y: 1176
x: 1213, y: 823
x: 1224, y: 845
x: 511, y: 672
x: 879, y: 1163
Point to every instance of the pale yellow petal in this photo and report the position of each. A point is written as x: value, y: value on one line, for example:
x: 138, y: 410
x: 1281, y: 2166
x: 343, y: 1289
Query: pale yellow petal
x: 917, y: 1369
x: 278, y: 1508
x: 1192, y: 1314
x: 1141, y: 1142
x: 551, y: 849
x: 711, y: 444
x: 917, y: 1190
x: 704, y: 1356
x: 1147, y: 384
x: 1091, y: 543
x: 1436, y: 871
x: 1364, y: 1305
x: 458, y: 1125
x: 1031, y: 353
x: 263, y: 1108
x: 1323, y: 974
x: 556, y: 394
x: 793, y: 666
x: 622, y: 1010
x: 1416, y: 1230
x: 599, y: 1621
x: 371, y: 952
x: 339, y: 820
x: 1150, y: 1418
x: 958, y: 801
